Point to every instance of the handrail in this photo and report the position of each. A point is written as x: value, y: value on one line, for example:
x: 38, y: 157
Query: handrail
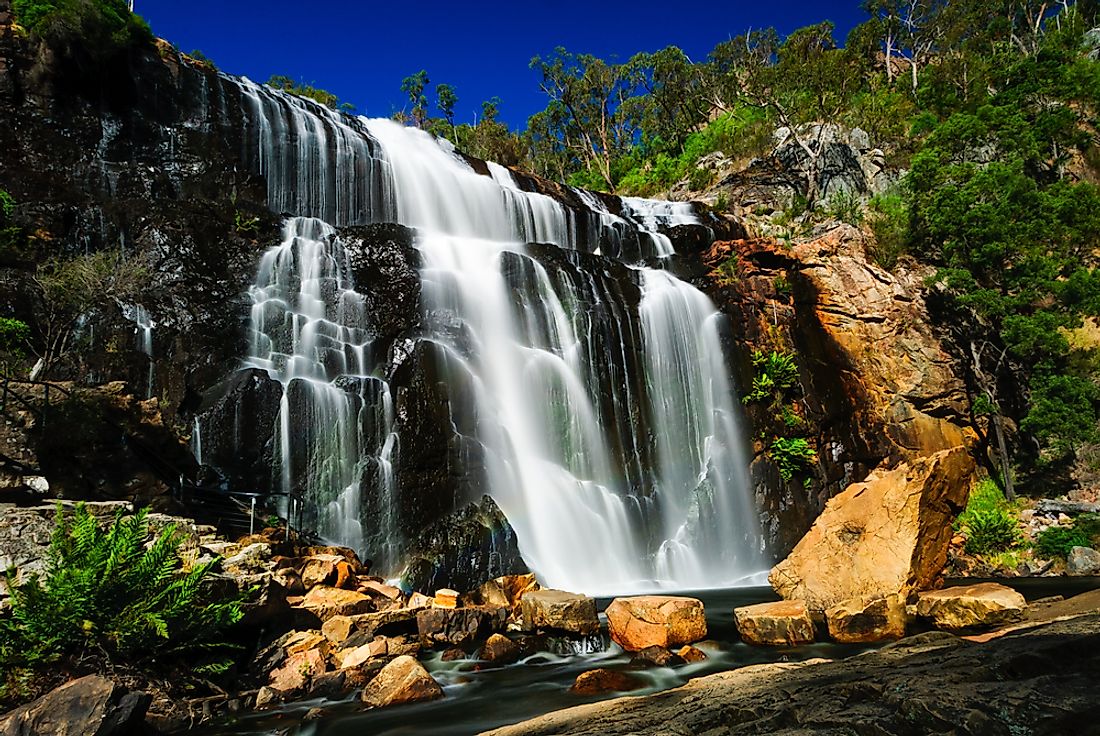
x: 170, y: 474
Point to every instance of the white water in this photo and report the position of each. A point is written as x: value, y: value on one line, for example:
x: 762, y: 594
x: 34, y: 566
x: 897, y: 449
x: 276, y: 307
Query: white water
x: 143, y: 328
x: 601, y: 401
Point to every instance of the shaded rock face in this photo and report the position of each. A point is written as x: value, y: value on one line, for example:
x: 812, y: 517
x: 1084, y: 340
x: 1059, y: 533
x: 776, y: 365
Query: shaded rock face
x: 863, y: 621
x: 89, y: 705
x: 887, y: 535
x: 877, y: 386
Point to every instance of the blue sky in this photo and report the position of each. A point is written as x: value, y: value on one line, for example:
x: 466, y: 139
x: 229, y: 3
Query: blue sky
x: 362, y: 50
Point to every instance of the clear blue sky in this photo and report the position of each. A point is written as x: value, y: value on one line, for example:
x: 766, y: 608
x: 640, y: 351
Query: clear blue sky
x: 362, y: 50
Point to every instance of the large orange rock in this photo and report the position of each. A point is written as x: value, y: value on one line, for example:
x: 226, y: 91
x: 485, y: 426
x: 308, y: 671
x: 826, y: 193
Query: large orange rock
x: 887, y: 535
x: 320, y: 570
x: 862, y: 621
x: 557, y: 610
x: 656, y: 621
x: 404, y: 680
x: 778, y: 624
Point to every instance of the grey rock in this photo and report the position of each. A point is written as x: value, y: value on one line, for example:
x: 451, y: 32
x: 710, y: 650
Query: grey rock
x: 1083, y: 561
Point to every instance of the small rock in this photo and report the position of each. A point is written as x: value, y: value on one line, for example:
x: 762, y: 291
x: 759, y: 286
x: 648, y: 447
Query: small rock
x: 601, y: 681
x: 359, y: 655
x: 328, y: 685
x: 295, y: 673
x: 303, y: 641
x: 558, y: 610
x: 419, y: 600
x: 499, y: 649
x: 860, y: 621
x: 327, y: 602
x: 267, y: 697
x: 655, y: 620
x: 783, y: 623
x: 453, y: 655
x: 446, y: 598
x: 404, y: 680
x: 658, y: 656
x: 691, y: 654
x: 251, y: 557
x: 382, y: 590
x: 1083, y: 561
x: 964, y: 607
x: 505, y: 591
x: 345, y: 576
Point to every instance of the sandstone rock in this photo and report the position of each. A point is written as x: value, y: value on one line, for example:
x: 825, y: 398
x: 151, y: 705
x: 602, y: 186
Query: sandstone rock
x: 252, y: 557
x: 329, y: 684
x: 499, y: 649
x: 655, y: 620
x: 341, y: 629
x: 445, y: 598
x: 658, y: 656
x: 453, y: 655
x: 327, y: 602
x: 89, y: 706
x: 320, y: 570
x: 782, y: 623
x: 382, y: 590
x: 886, y: 535
x: 359, y: 655
x: 303, y: 641
x: 296, y: 671
x: 419, y: 600
x: 290, y: 580
x: 345, y: 576
x: 460, y: 627
x: 267, y: 697
x: 601, y: 681
x: 559, y: 611
x: 691, y: 654
x: 861, y: 621
x: 505, y: 591
x: 404, y: 680
x: 1083, y: 561
x: 967, y: 606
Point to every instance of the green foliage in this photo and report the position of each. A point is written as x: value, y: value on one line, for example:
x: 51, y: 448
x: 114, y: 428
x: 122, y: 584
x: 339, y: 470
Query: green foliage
x: 776, y: 373
x: 414, y: 86
x: 845, y: 206
x: 96, y: 29
x: 793, y: 455
x: 244, y: 224
x: 12, y: 236
x: 988, y: 520
x: 888, y: 219
x: 119, y: 591
x: 15, y: 337
x: 1058, y: 541
x: 301, y: 89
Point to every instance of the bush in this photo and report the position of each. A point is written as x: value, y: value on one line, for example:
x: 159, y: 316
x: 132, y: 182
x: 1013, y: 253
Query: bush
x: 793, y: 455
x: 107, y: 591
x: 1057, y: 541
x: 776, y: 373
x: 990, y: 531
x: 100, y: 28
x: 888, y: 218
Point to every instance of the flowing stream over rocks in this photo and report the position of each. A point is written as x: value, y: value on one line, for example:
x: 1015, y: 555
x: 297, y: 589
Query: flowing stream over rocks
x: 586, y: 382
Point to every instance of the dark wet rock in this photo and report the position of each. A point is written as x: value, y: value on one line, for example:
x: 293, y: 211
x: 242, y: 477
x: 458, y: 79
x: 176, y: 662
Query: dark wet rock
x: 933, y: 683
x: 246, y: 404
x: 90, y: 706
x: 657, y: 656
x: 459, y: 627
x: 500, y: 650
x: 465, y: 549
x: 560, y: 611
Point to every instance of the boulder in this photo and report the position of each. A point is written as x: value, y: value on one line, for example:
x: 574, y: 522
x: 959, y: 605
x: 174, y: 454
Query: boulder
x: 345, y: 576
x: 971, y: 606
x: 251, y: 558
x: 303, y: 641
x: 404, y: 680
x: 601, y: 681
x: 380, y: 590
x: 419, y: 600
x: 887, y: 535
x: 327, y: 602
x: 505, y: 591
x: 459, y: 627
x: 339, y: 629
x: 655, y: 620
x: 782, y: 623
x: 1083, y: 561
x: 691, y: 654
x: 320, y: 570
x: 862, y: 621
x: 445, y: 598
x: 557, y: 610
x: 357, y: 656
x: 499, y: 649
x: 89, y: 706
x: 291, y: 581
x: 296, y: 671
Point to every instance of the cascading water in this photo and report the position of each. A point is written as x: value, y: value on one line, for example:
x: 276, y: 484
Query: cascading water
x: 143, y: 328
x: 597, y: 390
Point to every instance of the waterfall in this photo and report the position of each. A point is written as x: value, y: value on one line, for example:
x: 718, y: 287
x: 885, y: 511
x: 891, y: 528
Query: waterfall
x: 143, y: 328
x: 594, y: 385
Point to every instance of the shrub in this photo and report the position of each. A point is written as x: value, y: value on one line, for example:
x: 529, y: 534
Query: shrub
x: 99, y: 28
x: 108, y: 591
x: 793, y: 455
x: 1057, y: 541
x: 992, y: 530
x: 845, y: 206
x: 888, y: 218
x: 776, y: 373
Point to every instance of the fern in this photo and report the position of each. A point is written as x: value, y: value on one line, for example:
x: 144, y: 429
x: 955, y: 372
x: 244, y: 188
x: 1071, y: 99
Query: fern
x: 113, y: 590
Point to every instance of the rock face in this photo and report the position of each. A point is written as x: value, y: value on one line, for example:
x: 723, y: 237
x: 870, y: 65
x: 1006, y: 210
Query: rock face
x: 90, y: 706
x: 887, y: 535
x: 861, y: 621
x: 783, y: 623
x: 327, y: 602
x: 934, y: 683
x: 982, y: 605
x: 1083, y: 561
x: 654, y: 620
x: 557, y: 610
x: 404, y: 680
x: 877, y: 385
